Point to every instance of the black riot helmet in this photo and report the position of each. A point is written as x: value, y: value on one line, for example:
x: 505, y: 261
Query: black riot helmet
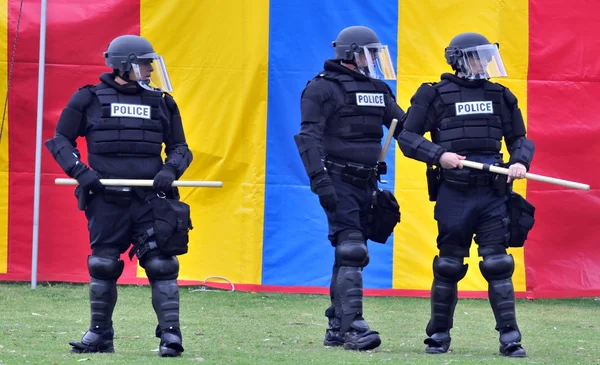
x: 134, y: 53
x: 354, y: 43
x: 474, y: 57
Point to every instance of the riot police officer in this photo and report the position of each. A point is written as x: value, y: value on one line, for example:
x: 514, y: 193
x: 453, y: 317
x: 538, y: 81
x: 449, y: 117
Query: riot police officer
x: 344, y: 109
x: 125, y: 119
x: 467, y: 116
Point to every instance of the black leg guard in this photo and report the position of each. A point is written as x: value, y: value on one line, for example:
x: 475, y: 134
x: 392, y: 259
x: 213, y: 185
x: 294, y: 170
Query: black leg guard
x: 447, y: 271
x: 498, y: 270
x: 352, y: 255
x: 162, y: 272
x: 333, y: 337
x: 350, y: 289
x: 104, y: 272
x: 103, y: 298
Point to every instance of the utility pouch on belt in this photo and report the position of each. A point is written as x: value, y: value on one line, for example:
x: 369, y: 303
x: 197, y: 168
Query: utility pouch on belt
x: 172, y: 223
x: 521, y: 215
x: 433, y: 182
x: 356, y: 174
x: 499, y: 184
x: 82, y: 197
x: 385, y: 214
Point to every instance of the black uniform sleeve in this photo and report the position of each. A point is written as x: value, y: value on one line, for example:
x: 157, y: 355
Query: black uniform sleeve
x: 71, y: 124
x: 419, y: 119
x: 520, y: 148
x: 314, y: 114
x: 393, y: 111
x: 179, y: 156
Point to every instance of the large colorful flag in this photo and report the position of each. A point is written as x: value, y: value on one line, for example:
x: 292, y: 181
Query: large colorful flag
x: 238, y: 68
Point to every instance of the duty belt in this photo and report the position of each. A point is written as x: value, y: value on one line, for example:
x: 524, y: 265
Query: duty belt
x: 353, y: 173
x: 481, y: 180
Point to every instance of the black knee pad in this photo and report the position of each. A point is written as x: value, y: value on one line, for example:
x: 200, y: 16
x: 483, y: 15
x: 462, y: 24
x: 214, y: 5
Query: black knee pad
x: 160, y: 267
x: 105, y: 268
x: 449, y: 269
x: 351, y: 249
x: 497, y: 267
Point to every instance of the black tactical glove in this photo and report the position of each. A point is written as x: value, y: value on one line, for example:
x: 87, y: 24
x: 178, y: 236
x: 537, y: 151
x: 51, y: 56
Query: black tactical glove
x: 164, y: 179
x: 89, y: 180
x: 322, y: 186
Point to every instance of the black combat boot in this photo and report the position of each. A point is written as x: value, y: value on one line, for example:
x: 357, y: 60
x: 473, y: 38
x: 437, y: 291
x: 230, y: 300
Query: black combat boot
x: 170, y: 342
x: 510, y: 343
x: 438, y: 343
x: 94, y: 341
x: 360, y: 337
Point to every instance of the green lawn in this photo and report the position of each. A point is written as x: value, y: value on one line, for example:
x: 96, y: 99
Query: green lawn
x: 253, y: 328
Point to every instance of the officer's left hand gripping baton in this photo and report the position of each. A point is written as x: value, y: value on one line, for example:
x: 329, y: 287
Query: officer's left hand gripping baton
x: 546, y: 179
x: 136, y: 182
x: 386, y: 145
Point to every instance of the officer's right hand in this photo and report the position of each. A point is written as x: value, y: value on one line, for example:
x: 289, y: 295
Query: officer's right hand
x: 89, y: 180
x: 450, y: 160
x: 323, y: 187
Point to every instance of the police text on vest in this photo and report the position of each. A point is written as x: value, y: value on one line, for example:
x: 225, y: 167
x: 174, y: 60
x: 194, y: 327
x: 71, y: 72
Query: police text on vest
x: 474, y: 107
x: 130, y: 110
x: 369, y: 99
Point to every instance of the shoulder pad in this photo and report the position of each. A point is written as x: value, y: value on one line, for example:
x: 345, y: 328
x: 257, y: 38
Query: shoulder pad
x: 81, y: 99
x: 316, y: 89
x: 170, y: 101
x: 510, y: 98
x: 389, y: 89
x: 425, y: 93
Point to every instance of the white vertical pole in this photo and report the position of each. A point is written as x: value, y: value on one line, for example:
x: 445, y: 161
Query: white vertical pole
x: 38, y: 146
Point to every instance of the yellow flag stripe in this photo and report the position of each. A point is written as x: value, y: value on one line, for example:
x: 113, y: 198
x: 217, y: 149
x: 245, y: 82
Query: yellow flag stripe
x: 225, y: 125
x: 425, y: 29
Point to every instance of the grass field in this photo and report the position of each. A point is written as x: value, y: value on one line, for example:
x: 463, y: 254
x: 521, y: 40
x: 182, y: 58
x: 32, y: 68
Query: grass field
x: 254, y: 328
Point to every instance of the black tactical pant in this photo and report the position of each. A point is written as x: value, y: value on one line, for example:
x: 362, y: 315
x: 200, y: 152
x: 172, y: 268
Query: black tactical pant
x: 117, y: 219
x: 353, y: 208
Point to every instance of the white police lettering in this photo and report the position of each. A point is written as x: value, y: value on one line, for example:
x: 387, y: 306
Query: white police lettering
x: 130, y: 110
x: 474, y: 107
x: 368, y: 99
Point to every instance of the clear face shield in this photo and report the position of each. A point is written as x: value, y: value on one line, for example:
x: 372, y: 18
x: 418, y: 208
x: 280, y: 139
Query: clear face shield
x: 482, y: 62
x: 151, y: 73
x: 374, y: 60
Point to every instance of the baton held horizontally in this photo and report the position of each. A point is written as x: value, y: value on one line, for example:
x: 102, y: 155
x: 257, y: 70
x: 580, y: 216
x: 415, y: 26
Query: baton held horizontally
x: 136, y: 182
x: 530, y: 176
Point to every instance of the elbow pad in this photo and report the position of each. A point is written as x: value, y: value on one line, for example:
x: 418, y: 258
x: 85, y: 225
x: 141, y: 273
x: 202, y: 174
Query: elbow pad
x: 419, y: 148
x: 180, y: 159
x: 64, y: 153
x: 310, y: 154
x: 522, y: 151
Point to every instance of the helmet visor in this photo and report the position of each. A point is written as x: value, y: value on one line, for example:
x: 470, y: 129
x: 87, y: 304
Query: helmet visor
x: 378, y: 62
x: 151, y: 73
x: 482, y: 62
